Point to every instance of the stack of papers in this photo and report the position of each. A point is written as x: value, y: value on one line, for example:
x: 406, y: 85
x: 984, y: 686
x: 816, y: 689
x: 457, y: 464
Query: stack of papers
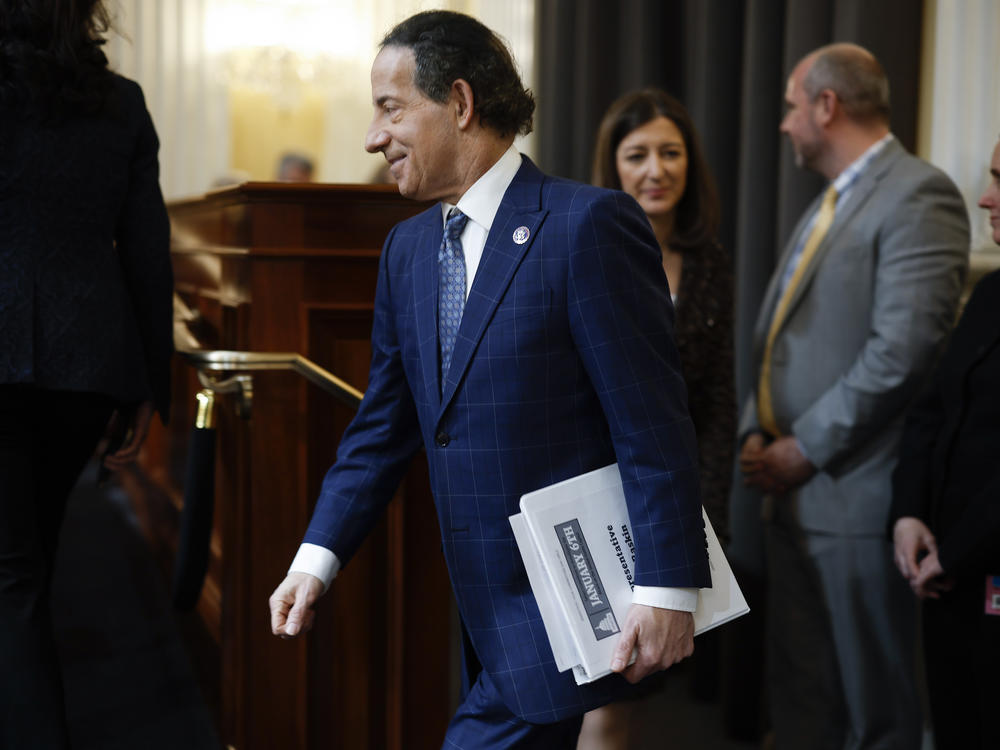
x: 576, y: 542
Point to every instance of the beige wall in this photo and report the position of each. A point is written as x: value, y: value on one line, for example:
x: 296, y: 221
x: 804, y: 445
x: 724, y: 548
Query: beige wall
x: 960, y: 102
x: 262, y: 129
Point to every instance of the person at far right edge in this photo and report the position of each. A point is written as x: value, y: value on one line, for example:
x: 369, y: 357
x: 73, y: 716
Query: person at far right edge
x: 851, y: 324
x: 945, y: 517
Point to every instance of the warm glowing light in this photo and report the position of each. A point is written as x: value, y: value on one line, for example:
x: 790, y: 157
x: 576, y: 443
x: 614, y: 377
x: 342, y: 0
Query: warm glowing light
x: 334, y: 28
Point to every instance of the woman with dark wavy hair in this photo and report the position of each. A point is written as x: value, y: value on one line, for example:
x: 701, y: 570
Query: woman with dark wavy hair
x: 648, y: 147
x: 85, y: 314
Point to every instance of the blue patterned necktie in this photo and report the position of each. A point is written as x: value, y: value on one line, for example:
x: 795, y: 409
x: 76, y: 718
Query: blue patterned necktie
x: 451, y: 287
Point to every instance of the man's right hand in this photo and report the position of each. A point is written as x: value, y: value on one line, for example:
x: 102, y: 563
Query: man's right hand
x: 292, y: 604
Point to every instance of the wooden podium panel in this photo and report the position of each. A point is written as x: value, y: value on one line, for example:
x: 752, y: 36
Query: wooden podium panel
x: 271, y: 267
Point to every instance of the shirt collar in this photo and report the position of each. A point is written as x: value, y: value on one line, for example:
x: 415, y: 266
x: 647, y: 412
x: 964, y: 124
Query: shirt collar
x: 482, y: 201
x: 846, y: 179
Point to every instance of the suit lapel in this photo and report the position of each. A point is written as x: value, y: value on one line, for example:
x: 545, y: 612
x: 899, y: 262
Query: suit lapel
x: 855, y: 201
x: 520, y: 208
x: 425, y: 299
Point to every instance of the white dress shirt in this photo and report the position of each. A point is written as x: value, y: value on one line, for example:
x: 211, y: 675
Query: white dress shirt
x: 480, y: 203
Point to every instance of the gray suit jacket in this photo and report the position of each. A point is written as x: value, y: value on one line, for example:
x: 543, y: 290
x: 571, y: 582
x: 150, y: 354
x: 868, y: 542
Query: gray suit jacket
x: 862, y: 331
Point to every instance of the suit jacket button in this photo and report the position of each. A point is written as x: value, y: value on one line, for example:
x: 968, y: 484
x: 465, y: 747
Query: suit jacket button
x: 442, y: 439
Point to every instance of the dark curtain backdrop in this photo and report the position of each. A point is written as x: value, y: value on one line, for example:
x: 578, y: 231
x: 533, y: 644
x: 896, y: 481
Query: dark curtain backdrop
x: 728, y: 61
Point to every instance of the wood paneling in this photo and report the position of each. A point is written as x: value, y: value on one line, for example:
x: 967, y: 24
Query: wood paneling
x: 276, y: 267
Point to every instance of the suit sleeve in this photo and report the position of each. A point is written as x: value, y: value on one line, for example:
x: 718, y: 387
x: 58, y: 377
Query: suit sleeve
x: 975, y: 536
x: 143, y: 244
x: 378, y: 444
x: 921, y: 257
x: 913, y: 476
x: 621, y: 321
x: 911, y: 480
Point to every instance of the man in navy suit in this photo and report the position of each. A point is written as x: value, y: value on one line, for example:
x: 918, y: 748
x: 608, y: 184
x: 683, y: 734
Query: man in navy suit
x: 523, y: 339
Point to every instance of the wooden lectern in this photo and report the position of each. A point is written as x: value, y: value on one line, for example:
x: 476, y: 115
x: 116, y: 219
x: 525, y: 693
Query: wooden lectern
x: 267, y: 267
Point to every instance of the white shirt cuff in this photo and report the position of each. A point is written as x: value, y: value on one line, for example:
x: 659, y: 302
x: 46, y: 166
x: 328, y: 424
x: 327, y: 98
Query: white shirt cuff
x: 664, y: 597
x: 316, y: 561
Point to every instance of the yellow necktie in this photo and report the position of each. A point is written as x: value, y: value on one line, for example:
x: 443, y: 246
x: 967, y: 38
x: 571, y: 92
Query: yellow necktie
x: 824, y: 218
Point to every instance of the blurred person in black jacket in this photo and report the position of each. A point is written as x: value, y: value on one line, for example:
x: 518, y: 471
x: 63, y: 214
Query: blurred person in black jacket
x: 85, y: 314
x: 945, y: 517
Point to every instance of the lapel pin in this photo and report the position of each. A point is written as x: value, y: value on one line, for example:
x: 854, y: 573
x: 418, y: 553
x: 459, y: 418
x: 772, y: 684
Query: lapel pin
x: 521, y: 235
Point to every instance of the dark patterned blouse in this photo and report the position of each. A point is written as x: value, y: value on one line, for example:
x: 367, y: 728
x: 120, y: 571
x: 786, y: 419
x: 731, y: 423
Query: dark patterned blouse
x: 704, y: 333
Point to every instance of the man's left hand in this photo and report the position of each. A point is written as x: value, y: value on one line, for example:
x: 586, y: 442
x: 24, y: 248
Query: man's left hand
x: 661, y: 637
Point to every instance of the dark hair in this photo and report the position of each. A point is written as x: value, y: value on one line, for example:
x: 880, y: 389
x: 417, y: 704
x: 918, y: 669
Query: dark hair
x: 855, y: 76
x: 697, y: 213
x: 51, y: 61
x: 448, y: 46
x: 293, y: 160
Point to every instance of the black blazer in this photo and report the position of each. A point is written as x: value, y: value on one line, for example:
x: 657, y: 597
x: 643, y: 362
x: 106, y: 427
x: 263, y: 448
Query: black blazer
x: 85, y: 277
x: 949, y: 469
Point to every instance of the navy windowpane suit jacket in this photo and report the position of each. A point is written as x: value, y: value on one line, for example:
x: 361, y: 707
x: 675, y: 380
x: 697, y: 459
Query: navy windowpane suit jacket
x: 564, y: 363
